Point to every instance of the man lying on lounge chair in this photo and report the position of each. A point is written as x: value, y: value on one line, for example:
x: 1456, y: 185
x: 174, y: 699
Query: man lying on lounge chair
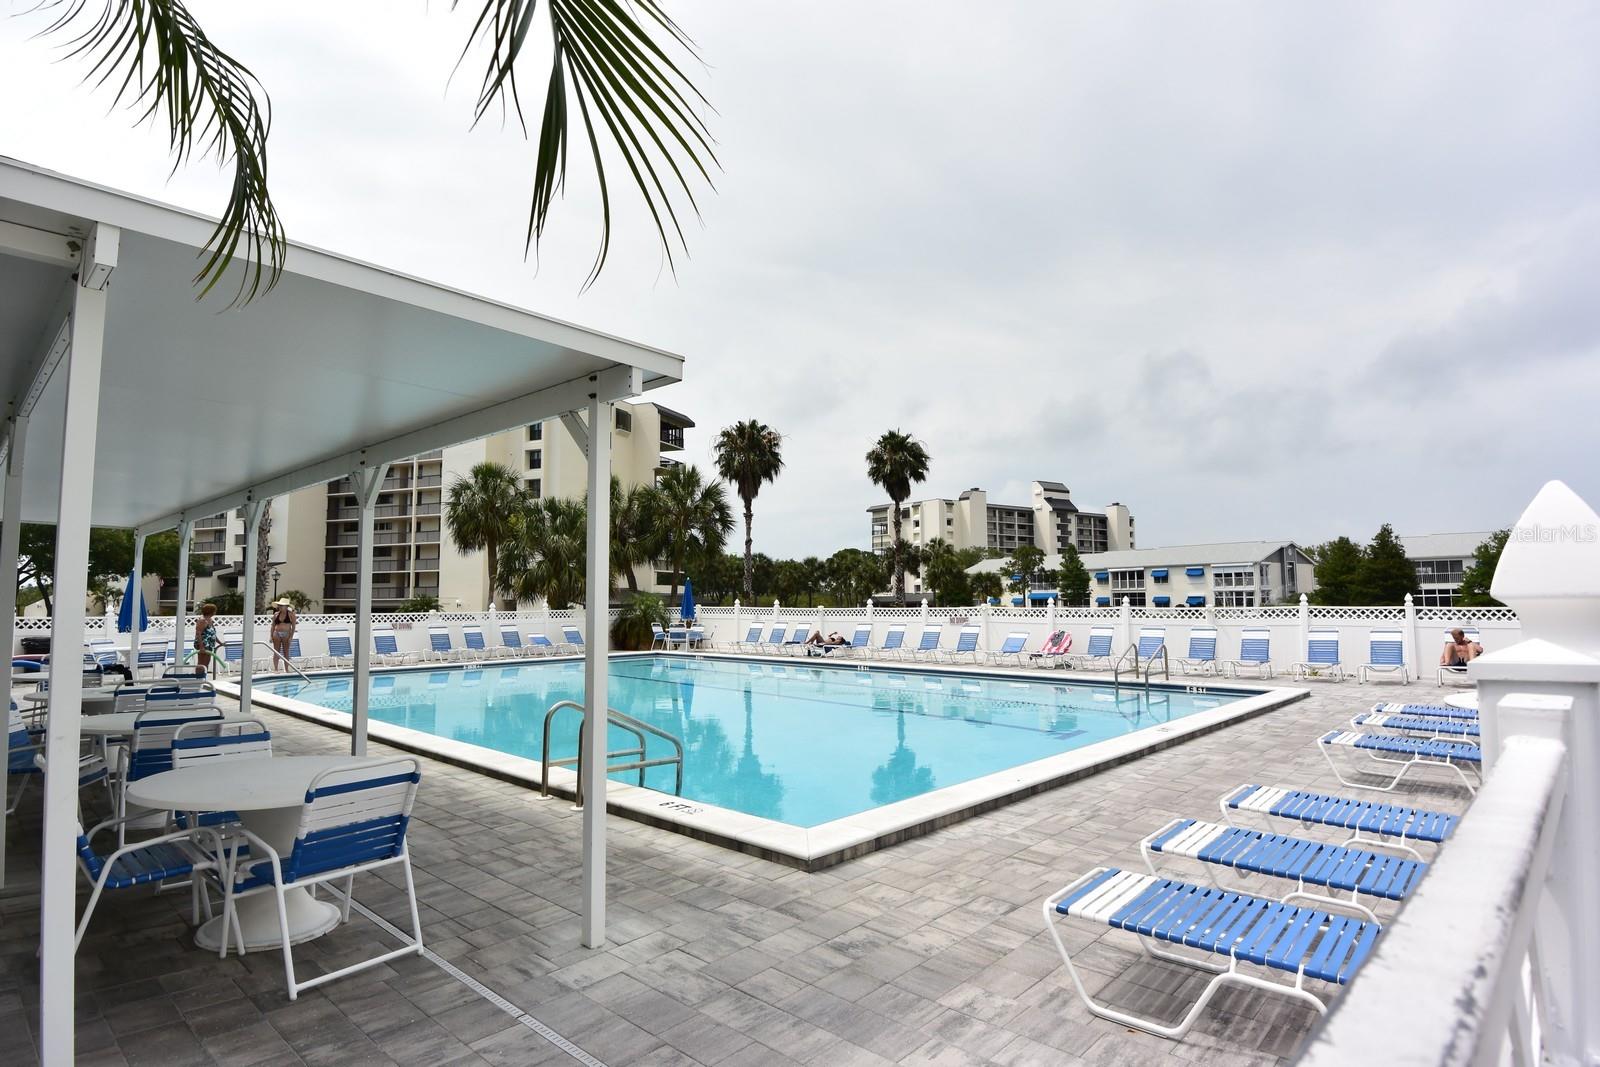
x: 1458, y: 651
x: 824, y: 645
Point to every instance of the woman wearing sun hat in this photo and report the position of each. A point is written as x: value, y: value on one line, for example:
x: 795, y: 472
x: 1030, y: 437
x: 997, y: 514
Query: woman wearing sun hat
x: 284, y: 621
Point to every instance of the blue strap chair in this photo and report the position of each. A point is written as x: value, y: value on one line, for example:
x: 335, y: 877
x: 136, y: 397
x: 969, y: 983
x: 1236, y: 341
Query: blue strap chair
x: 1385, y: 655
x: 175, y: 855
x: 1255, y: 653
x: 1202, y: 657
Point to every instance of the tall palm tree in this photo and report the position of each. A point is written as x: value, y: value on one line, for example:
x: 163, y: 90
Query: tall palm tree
x: 545, y: 552
x: 748, y: 454
x: 895, y: 463
x: 479, y: 507
x: 635, y: 529
x: 603, y: 56
x: 695, y: 518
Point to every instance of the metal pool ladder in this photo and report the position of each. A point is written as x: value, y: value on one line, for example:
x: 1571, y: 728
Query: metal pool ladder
x: 616, y: 718
x: 1138, y: 672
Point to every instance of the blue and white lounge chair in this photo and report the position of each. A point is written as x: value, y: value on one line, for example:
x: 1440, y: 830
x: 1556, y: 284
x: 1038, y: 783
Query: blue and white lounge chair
x: 1302, y: 941
x: 860, y: 641
x: 1416, y: 724
x: 540, y: 645
x: 752, y: 640
x: 894, y: 641
x: 797, y: 641
x: 927, y: 644
x: 354, y: 821
x: 1394, y: 825
x: 386, y: 647
x: 232, y: 650
x: 511, y: 641
x: 1413, y: 752
x: 1012, y: 648
x: 1317, y: 866
x: 152, y: 657
x: 1152, y: 642
x: 774, y: 641
x: 440, y: 647
x: 1322, y: 657
x: 1255, y: 653
x: 1428, y: 711
x: 1202, y: 657
x: 966, y: 644
x: 1097, y: 657
x: 1451, y: 675
x: 476, y: 646
x: 572, y: 637
x: 1385, y: 655
x: 341, y: 652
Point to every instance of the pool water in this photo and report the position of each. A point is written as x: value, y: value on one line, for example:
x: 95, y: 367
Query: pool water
x: 800, y: 744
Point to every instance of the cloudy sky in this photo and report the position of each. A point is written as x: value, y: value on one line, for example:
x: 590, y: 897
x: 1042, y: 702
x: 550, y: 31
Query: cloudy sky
x: 1256, y: 270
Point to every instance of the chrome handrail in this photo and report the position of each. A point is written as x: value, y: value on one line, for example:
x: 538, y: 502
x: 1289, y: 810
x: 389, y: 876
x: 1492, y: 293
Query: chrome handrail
x: 636, y: 727
x: 1166, y: 667
x: 272, y: 653
x: 1116, y: 666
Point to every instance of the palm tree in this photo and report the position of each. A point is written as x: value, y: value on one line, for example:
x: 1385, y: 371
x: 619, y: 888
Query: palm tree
x: 748, y: 453
x: 695, y: 518
x: 635, y: 529
x: 479, y: 507
x: 545, y: 552
x: 603, y: 57
x: 895, y: 463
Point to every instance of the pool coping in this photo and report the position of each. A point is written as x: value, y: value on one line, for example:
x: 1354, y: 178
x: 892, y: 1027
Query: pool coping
x: 828, y: 844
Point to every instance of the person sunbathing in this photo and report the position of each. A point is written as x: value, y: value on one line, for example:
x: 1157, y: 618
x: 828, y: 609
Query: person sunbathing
x: 824, y: 645
x: 1458, y: 651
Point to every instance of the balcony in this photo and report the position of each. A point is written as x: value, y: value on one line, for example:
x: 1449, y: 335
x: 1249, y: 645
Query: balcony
x: 432, y: 508
x: 347, y: 539
x: 671, y: 438
x: 348, y: 566
x: 431, y: 564
x: 389, y: 511
x: 425, y: 537
x: 429, y: 481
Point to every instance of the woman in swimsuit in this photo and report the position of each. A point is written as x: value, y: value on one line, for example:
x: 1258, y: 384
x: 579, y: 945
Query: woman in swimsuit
x: 206, y: 638
x: 283, y: 624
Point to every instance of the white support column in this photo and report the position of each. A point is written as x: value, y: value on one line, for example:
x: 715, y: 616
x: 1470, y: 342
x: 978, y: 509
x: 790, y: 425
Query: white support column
x: 1413, y: 641
x: 1124, y: 626
x: 59, y: 864
x: 10, y: 532
x: 247, y: 623
x: 180, y: 613
x: 136, y: 592
x: 738, y: 624
x: 596, y: 698
x: 369, y: 483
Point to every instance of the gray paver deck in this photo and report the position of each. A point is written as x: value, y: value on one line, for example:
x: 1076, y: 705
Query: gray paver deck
x: 931, y: 952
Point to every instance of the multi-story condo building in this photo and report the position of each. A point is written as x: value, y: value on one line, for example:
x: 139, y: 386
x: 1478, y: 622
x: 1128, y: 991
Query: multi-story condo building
x: 1050, y: 523
x: 1441, y: 560
x: 1236, y: 574
x: 311, y: 543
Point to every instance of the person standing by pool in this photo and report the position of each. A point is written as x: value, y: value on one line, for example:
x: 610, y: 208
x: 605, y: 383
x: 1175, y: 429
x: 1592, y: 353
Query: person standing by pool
x: 206, y: 638
x: 284, y: 622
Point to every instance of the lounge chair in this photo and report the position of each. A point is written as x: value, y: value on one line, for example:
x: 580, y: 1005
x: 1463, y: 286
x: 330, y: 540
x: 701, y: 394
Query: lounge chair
x: 1057, y: 648
x: 1429, y: 711
x: 386, y: 648
x: 476, y: 646
x: 927, y: 644
x: 1322, y: 657
x: 1302, y: 941
x: 1011, y: 647
x: 774, y: 641
x: 1202, y: 657
x: 1451, y: 675
x: 1152, y: 642
x: 572, y: 638
x: 1097, y: 657
x: 797, y: 640
x: 511, y: 641
x: 440, y: 647
x: 1385, y: 655
x: 1416, y: 752
x: 894, y: 641
x: 751, y: 642
x: 540, y: 645
x: 966, y: 644
x: 1358, y: 872
x: 860, y: 642
x: 1255, y: 653
x: 232, y: 651
x: 152, y: 657
x: 340, y: 651
x: 1396, y: 825
x: 1416, y: 724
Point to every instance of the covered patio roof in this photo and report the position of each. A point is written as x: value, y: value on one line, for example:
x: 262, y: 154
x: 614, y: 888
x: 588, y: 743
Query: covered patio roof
x: 200, y: 405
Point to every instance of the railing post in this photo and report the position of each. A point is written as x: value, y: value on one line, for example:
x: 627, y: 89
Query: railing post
x: 1124, y: 626
x: 776, y: 607
x: 1550, y: 573
x: 924, y: 613
x: 1050, y: 617
x: 1409, y: 642
x: 738, y: 625
x: 872, y: 636
x: 988, y: 617
x: 1305, y: 626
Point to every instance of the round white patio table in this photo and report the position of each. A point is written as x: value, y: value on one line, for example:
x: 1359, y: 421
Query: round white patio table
x: 268, y: 794
x: 97, y: 700
x: 1463, y: 700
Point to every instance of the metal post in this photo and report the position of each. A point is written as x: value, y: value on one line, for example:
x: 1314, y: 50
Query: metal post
x: 59, y: 864
x: 368, y: 483
x: 135, y: 591
x: 180, y: 613
x: 247, y: 623
x: 10, y: 532
x: 596, y: 699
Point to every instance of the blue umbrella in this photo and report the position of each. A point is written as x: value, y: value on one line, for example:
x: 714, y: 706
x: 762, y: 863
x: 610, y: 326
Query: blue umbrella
x: 686, y: 609
x: 125, y: 615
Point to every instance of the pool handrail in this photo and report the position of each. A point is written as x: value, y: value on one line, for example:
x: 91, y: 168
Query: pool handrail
x: 636, y: 727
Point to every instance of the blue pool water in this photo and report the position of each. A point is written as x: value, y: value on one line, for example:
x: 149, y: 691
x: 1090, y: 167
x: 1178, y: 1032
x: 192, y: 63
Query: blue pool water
x: 800, y: 744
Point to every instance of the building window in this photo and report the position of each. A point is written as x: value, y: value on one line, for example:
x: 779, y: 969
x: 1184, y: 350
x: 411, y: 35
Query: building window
x: 533, y: 488
x: 1235, y: 598
x: 1436, y: 598
x: 1233, y: 578
x: 536, y: 432
x: 1127, y: 581
x: 535, y: 458
x: 1440, y: 571
x: 624, y: 421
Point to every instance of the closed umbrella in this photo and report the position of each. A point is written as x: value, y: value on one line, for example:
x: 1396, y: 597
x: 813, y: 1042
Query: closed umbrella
x: 686, y: 610
x: 125, y: 615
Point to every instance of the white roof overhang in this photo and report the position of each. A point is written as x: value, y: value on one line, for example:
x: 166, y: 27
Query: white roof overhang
x: 203, y: 408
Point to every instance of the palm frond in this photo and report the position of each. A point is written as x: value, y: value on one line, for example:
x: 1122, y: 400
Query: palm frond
x: 632, y: 98
x: 212, y: 105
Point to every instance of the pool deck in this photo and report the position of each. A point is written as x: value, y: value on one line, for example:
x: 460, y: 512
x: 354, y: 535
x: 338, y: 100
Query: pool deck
x: 931, y: 952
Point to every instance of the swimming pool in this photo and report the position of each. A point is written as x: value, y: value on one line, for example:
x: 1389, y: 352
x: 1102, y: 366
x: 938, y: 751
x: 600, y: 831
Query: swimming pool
x: 799, y: 744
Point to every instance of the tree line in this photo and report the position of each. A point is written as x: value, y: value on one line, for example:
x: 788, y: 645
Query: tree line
x: 1378, y: 573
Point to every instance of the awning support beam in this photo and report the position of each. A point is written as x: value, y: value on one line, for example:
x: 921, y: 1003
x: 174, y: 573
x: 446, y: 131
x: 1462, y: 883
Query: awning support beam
x: 368, y: 482
x: 10, y: 537
x: 180, y: 612
x: 253, y: 510
x: 596, y: 699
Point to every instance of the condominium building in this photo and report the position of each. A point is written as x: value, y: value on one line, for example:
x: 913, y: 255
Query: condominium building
x: 1050, y: 523
x: 1236, y: 574
x: 1441, y: 561
x: 311, y: 542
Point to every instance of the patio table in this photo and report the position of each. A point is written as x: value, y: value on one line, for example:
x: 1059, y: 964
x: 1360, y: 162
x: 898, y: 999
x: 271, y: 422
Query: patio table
x: 1463, y: 700
x: 268, y: 793
x: 96, y: 699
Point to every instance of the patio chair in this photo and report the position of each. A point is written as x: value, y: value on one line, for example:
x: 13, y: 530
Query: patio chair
x: 152, y: 657
x: 774, y: 641
x: 1430, y: 711
x: 540, y: 645
x: 696, y: 637
x: 232, y: 651
x: 752, y: 640
x: 185, y: 672
x: 1416, y: 724
x: 22, y: 744
x: 1255, y: 653
x: 677, y: 637
x: 1392, y: 825
x: 268, y: 663
x: 894, y: 641
x: 354, y: 821
x: 1314, y: 865
x: 104, y: 651
x: 206, y: 743
x: 797, y: 640
x: 149, y: 749
x: 511, y: 641
x: 1451, y: 675
x: 476, y: 646
x: 341, y: 653
x: 1056, y: 649
x: 658, y: 637
x: 1412, y: 752
x: 1302, y: 941
x: 175, y: 855
x: 966, y: 645
x: 927, y: 644
x: 440, y: 647
x: 1097, y: 657
x: 1322, y: 658
x: 386, y: 648
x: 1385, y: 655
x: 572, y: 638
x: 1202, y: 655
x: 860, y: 641
x: 1012, y: 647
